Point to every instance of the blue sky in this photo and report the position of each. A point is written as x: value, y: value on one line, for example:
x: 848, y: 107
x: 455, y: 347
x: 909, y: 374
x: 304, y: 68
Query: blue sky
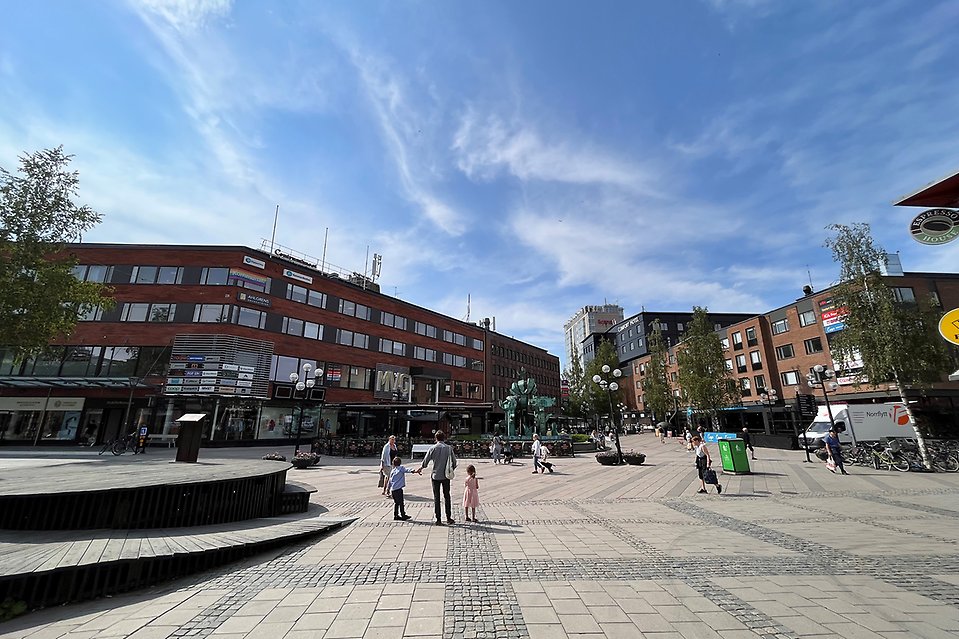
x: 535, y: 156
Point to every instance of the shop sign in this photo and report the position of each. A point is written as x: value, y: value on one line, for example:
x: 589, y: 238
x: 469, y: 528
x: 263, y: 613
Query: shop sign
x: 207, y: 389
x: 57, y: 404
x: 259, y: 300
x: 247, y: 369
x: 196, y: 358
x: 252, y: 261
x: 293, y: 275
x: 392, y: 381
x: 935, y: 226
x: 174, y: 388
x: 229, y: 367
x: 832, y: 317
x: 949, y: 326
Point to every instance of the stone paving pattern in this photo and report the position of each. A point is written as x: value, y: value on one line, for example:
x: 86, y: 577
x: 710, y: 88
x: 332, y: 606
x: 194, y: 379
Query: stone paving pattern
x: 590, y: 551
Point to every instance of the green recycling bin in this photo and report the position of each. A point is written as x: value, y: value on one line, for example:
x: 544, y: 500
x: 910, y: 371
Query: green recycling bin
x: 733, y: 454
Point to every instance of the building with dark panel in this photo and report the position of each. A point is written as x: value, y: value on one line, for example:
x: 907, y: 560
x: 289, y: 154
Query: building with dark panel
x: 219, y: 330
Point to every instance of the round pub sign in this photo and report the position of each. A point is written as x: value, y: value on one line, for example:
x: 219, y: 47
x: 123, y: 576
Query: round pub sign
x: 949, y: 326
x: 935, y: 226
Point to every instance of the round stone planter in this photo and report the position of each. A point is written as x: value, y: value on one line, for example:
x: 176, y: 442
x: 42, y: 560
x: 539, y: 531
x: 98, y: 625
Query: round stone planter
x: 634, y: 459
x: 607, y: 460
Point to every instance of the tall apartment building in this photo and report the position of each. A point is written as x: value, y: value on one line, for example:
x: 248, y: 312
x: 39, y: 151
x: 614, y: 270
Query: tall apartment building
x: 588, y: 321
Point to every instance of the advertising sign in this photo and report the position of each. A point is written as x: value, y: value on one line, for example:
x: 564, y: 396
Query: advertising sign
x: 293, y: 275
x: 832, y: 317
x: 712, y: 438
x: 249, y: 298
x: 949, y: 326
x: 252, y: 261
x: 239, y: 275
x: 935, y: 226
x: 392, y: 382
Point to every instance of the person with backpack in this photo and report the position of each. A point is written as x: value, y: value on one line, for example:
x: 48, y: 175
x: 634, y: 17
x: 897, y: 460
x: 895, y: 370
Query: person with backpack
x: 444, y: 464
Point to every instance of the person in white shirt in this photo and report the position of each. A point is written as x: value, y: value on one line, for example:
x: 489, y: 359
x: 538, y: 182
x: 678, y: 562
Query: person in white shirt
x: 537, y: 451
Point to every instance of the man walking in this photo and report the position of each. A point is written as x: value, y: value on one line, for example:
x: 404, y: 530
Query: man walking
x: 748, y: 442
x: 443, y: 460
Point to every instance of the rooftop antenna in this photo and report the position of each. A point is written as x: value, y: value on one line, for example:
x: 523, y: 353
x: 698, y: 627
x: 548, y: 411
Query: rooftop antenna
x: 467, y: 318
x: 276, y: 214
x: 809, y: 276
x: 326, y: 236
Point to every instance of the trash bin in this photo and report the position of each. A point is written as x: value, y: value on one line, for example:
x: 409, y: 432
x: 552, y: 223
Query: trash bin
x: 733, y: 454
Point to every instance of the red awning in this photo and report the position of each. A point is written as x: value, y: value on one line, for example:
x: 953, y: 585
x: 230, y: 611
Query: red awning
x: 944, y: 192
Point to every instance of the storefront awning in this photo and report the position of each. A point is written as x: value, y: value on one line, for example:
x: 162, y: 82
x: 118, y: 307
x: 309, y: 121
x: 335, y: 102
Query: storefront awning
x: 71, y: 382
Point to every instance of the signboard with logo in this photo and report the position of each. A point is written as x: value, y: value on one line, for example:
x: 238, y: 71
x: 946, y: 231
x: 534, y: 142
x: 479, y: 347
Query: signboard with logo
x: 832, y: 317
x: 293, y: 275
x: 260, y: 282
x: 249, y: 298
x: 62, y: 404
x: 711, y: 437
x: 935, y: 226
x: 949, y: 326
x: 219, y: 364
x: 392, y: 382
x: 252, y: 261
x: 807, y: 405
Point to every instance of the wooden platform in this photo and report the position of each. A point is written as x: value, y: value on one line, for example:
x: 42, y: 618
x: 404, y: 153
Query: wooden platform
x: 144, y: 493
x: 50, y: 568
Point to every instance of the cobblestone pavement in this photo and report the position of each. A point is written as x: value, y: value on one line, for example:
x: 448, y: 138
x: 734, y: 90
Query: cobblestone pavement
x: 589, y: 551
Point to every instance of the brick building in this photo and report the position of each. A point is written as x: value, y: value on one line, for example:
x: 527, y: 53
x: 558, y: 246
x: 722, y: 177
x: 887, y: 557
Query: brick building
x: 219, y: 330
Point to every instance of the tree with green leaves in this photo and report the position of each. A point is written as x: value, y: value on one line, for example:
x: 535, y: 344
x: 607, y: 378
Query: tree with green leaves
x: 657, y: 391
x: 596, y: 397
x: 702, y: 368
x: 576, y: 378
x: 40, y: 299
x: 896, y: 341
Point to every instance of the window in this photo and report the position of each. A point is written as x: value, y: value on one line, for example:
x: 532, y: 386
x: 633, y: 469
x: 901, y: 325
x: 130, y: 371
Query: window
x: 90, y: 314
x: 745, y: 386
x: 672, y: 358
x: 211, y: 313
x: 679, y: 327
x: 454, y: 360
x: 293, y: 326
x: 356, y: 340
x: 760, y: 383
x: 729, y: 365
x: 790, y: 378
x: 162, y: 312
x: 904, y: 294
x: 169, y: 275
x: 296, y: 293
x: 249, y: 281
x: 447, y: 336
x: 93, y: 273
x: 741, y: 363
x: 477, y: 344
x: 356, y: 310
x: 755, y: 359
x: 392, y: 347
x: 725, y: 342
x: 214, y: 276
x: 248, y: 317
x: 134, y: 312
x: 813, y: 345
x: 807, y: 318
x: 737, y: 340
x: 315, y: 298
x: 312, y: 330
x: 396, y: 321
x: 780, y: 326
x: 751, y: 336
x: 425, y: 354
x: 143, y: 275
x: 355, y: 377
x: 785, y: 351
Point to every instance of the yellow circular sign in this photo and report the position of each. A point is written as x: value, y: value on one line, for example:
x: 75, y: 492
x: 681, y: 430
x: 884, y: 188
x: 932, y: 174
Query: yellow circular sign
x: 949, y: 326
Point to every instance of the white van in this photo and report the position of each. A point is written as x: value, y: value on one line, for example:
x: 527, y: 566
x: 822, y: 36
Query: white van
x: 869, y: 422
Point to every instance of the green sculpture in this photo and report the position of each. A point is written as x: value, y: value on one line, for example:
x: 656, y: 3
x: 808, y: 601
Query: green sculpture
x: 525, y: 410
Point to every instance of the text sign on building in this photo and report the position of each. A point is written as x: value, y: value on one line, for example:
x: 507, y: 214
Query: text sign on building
x: 252, y: 261
x: 219, y: 365
x: 259, y: 300
x: 392, y: 382
x: 935, y: 226
x: 293, y: 275
x: 832, y: 317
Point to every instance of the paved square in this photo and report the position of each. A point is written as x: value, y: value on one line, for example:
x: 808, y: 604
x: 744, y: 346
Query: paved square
x: 589, y: 551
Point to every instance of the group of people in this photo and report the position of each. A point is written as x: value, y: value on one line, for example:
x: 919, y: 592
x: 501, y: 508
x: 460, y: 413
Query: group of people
x: 441, y: 456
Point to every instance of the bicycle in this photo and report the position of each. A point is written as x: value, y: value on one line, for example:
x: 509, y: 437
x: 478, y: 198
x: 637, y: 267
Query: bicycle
x: 121, y: 445
x: 886, y: 457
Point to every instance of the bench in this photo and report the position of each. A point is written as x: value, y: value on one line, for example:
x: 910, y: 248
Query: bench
x: 169, y: 440
x: 421, y: 448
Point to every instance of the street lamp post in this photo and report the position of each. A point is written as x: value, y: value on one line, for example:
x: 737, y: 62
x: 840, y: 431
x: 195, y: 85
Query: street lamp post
x: 821, y: 377
x: 611, y: 386
x: 769, y: 398
x: 308, y: 382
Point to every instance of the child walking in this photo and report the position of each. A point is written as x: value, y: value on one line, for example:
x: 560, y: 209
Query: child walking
x: 471, y: 495
x: 397, y: 484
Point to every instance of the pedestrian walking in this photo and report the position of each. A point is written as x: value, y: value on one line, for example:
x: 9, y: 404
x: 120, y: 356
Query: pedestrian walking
x: 703, y: 463
x: 443, y: 459
x: 537, y: 450
x: 386, y: 462
x: 688, y: 436
x: 471, y: 492
x: 834, y: 451
x: 748, y: 442
x: 397, y: 483
x: 496, y: 448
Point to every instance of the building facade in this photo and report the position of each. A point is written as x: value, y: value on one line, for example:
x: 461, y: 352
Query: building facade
x: 219, y: 330
x: 589, y: 321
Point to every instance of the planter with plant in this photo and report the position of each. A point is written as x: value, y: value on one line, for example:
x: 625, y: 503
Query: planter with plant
x: 608, y: 458
x: 633, y: 458
x: 304, y: 460
x: 274, y: 457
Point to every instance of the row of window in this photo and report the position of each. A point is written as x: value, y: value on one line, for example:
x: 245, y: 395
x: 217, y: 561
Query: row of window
x: 812, y: 346
x: 224, y: 276
x: 513, y: 373
x: 523, y: 358
x: 89, y: 361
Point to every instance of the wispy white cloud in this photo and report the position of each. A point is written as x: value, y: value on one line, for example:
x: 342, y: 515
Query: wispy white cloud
x: 187, y: 15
